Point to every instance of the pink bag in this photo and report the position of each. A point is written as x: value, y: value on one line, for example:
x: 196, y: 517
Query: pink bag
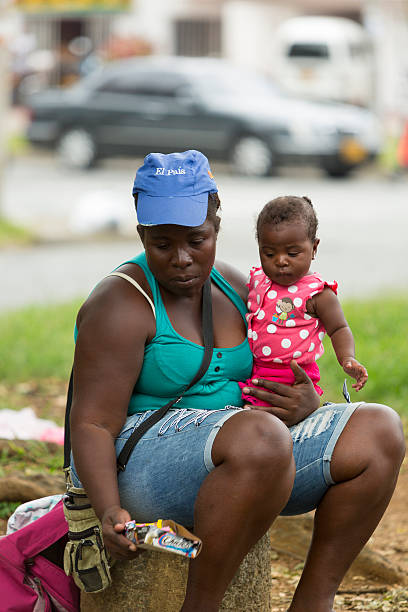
x: 30, y: 582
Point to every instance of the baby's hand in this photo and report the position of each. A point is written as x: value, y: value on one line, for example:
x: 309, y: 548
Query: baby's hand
x: 357, y: 371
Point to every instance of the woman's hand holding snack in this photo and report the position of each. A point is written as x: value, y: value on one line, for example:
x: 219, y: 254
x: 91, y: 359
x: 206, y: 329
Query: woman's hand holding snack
x: 291, y: 404
x: 113, y: 525
x: 357, y: 371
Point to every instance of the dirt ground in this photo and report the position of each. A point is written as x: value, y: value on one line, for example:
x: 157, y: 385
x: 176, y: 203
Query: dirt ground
x: 357, y: 593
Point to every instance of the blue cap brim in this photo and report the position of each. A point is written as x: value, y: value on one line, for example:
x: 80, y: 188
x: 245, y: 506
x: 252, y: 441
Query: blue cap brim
x: 190, y: 211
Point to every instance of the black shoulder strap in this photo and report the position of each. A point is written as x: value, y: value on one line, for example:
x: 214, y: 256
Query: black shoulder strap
x: 207, y: 324
x: 123, y: 458
x: 67, y: 429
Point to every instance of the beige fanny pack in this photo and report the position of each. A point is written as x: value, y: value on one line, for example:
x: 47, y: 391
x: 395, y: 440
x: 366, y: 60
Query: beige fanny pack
x: 85, y: 557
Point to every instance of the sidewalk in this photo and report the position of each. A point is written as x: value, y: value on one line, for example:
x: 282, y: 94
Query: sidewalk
x: 51, y: 273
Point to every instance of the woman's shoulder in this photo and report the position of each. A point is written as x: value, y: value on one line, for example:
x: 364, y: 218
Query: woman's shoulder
x: 115, y: 301
x: 234, y: 277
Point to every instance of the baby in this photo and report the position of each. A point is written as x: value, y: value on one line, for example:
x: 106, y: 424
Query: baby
x: 290, y: 307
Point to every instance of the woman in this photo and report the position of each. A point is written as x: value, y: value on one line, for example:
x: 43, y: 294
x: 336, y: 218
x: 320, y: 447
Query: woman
x: 211, y: 465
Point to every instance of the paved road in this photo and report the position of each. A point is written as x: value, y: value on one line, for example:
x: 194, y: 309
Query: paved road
x: 363, y: 227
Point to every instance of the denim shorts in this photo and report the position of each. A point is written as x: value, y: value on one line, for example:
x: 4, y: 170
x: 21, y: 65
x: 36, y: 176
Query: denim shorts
x: 170, y: 462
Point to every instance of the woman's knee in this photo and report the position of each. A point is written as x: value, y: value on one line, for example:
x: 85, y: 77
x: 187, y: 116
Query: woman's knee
x: 384, y: 425
x: 255, y: 440
x: 374, y: 434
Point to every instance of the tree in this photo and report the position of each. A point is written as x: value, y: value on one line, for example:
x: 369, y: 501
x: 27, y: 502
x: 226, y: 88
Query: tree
x: 4, y: 99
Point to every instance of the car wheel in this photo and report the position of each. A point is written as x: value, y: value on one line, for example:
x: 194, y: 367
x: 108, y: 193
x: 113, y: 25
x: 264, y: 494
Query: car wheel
x: 251, y: 156
x: 77, y: 149
x: 337, y: 170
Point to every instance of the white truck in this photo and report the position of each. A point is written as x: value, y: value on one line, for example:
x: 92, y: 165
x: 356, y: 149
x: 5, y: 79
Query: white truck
x: 325, y: 58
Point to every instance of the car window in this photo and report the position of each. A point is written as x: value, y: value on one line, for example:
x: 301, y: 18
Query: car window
x: 161, y: 84
x: 315, y: 50
x: 232, y: 83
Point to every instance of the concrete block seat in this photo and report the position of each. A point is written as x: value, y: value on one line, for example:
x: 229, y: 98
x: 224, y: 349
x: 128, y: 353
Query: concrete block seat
x: 155, y: 582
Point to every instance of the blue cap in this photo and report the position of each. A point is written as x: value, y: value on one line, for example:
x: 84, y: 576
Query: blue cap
x: 173, y: 189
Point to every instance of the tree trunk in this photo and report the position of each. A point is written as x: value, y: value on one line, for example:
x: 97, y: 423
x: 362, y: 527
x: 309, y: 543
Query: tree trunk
x: 4, y: 105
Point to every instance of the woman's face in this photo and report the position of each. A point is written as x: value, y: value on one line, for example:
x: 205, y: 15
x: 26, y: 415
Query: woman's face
x: 180, y: 257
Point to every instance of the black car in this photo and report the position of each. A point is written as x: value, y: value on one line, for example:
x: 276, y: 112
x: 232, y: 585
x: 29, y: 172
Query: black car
x: 139, y: 105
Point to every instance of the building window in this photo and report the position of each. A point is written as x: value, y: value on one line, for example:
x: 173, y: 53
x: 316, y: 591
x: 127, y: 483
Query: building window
x: 198, y: 37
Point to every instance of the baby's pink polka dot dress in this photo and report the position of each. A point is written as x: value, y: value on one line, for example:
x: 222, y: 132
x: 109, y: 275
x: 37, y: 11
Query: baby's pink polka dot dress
x: 280, y: 329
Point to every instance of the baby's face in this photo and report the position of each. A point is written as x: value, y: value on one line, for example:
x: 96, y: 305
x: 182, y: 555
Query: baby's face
x: 286, y: 252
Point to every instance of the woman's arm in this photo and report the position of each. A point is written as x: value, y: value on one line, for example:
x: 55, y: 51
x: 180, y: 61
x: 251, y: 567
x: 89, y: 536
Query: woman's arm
x: 113, y: 327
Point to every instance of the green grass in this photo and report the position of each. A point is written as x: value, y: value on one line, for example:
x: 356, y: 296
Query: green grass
x: 380, y: 333
x: 33, y: 457
x: 11, y: 234
x: 7, y: 508
x: 17, y: 144
x: 37, y: 343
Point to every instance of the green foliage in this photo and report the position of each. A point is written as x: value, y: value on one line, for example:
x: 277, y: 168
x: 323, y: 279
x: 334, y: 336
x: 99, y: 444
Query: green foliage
x: 7, y: 508
x: 11, y: 234
x: 17, y: 144
x: 34, y: 457
x: 379, y: 327
x: 37, y: 342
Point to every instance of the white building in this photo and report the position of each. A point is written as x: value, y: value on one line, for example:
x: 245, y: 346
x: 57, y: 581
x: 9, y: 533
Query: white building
x: 240, y: 30
x: 243, y: 32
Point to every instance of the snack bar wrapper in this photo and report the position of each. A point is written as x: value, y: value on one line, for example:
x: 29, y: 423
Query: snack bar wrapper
x: 164, y: 535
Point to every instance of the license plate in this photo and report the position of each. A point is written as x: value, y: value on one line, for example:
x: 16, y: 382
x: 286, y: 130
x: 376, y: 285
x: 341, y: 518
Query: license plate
x: 307, y: 74
x: 352, y: 151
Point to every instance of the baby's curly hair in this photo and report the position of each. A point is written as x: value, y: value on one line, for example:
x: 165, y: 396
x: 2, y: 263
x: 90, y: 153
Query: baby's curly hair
x: 286, y: 209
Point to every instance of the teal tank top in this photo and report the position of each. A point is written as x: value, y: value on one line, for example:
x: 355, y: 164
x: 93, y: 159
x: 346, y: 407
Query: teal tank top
x: 171, y: 361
